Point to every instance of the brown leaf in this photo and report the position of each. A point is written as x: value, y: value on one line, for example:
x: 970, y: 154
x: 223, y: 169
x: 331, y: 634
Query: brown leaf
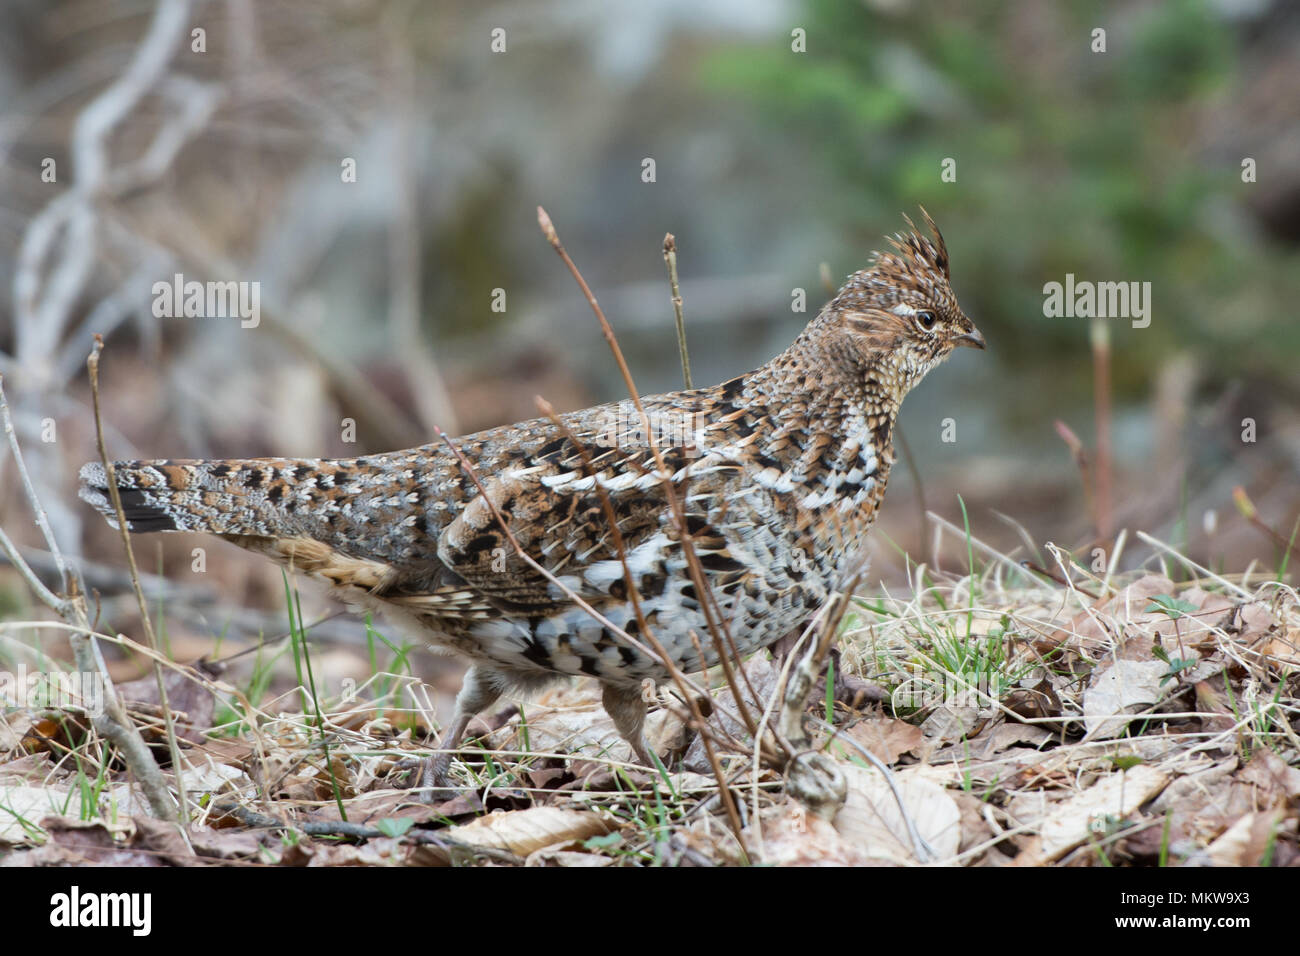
x: 950, y: 722
x: 191, y: 703
x: 41, y: 735
x: 1096, y: 628
x: 567, y: 858
x: 872, y: 821
x: 381, y: 851
x: 1209, y: 700
x: 1009, y: 734
x: 794, y: 837
x: 93, y: 842
x: 884, y: 737
x: 31, y: 804
x: 1146, y: 844
x: 523, y: 832
x: 164, y: 839
x: 1034, y: 702
x: 381, y: 805
x: 1283, y: 650
x: 1247, y: 841
x: 1071, y: 822
x: 1274, y: 779
x: 225, y: 844
x: 975, y: 828
x: 1119, y: 689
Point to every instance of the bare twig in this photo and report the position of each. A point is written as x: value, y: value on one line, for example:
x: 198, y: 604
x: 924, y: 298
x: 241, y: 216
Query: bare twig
x: 1248, y: 511
x: 112, y: 723
x: 360, y: 831
x: 60, y: 246
x: 813, y: 662
x: 92, y: 366
x: 920, y: 484
x: 39, y: 319
x: 42, y: 521
x: 670, y: 258
x: 1100, y: 337
x: 716, y: 625
x: 1080, y: 456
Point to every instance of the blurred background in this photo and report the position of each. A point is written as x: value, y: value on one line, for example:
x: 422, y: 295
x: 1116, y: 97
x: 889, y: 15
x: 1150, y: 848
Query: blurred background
x: 375, y: 165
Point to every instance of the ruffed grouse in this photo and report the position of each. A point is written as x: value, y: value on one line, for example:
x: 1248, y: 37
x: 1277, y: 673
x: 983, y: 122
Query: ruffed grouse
x: 779, y: 471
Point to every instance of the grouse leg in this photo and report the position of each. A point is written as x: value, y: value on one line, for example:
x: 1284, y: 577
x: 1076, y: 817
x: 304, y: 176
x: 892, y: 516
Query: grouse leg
x: 479, y: 692
x: 623, y: 703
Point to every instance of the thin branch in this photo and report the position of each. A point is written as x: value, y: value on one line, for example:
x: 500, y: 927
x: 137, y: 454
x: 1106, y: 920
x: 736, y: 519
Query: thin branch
x: 1101, y: 360
x: 42, y: 520
x: 670, y: 258
x: 40, y: 319
x: 92, y: 366
x: 112, y: 724
x: 1080, y: 456
x: 703, y: 588
x: 658, y: 653
x: 920, y: 485
x: 708, y: 604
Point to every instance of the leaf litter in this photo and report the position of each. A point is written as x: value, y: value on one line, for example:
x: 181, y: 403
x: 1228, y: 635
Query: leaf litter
x: 1038, y: 727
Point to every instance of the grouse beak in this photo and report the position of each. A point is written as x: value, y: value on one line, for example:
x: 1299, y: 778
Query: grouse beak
x: 973, y: 339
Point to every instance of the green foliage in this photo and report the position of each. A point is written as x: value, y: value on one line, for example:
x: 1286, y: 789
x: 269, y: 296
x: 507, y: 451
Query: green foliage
x: 1176, y: 664
x: 394, y: 826
x: 1067, y: 161
x: 1170, y: 606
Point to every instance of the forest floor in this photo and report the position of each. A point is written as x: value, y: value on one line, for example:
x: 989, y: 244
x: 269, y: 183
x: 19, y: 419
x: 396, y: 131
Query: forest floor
x: 1058, y: 719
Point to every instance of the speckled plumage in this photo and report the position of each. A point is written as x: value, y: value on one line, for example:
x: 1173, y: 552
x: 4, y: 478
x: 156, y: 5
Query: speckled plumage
x: 781, y: 472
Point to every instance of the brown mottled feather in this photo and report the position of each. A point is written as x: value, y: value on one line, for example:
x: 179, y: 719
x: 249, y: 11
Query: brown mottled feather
x: 781, y: 471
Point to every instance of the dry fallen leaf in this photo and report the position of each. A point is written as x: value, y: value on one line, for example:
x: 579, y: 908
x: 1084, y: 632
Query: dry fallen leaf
x: 30, y: 769
x: 1006, y: 735
x: 566, y: 721
x: 1096, y: 626
x: 871, y: 821
x: 1246, y: 842
x: 1071, y: 822
x: 1119, y: 689
x: 794, y: 837
x: 567, y: 858
x: 31, y: 804
x: 189, y: 700
x: 98, y: 842
x: 523, y: 832
x: 949, y: 722
x: 381, y: 851
x: 884, y: 737
x: 1284, y: 651
x: 1219, y: 717
x: 1274, y: 779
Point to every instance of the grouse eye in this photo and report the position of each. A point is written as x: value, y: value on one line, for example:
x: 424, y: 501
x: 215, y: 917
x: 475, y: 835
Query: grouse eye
x: 926, y: 319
